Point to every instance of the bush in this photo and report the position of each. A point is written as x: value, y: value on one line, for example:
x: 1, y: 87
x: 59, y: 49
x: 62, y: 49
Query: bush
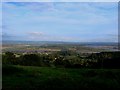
x: 30, y: 60
x: 8, y: 58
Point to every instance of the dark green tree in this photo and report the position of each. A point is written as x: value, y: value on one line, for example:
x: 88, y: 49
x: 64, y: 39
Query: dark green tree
x: 8, y: 58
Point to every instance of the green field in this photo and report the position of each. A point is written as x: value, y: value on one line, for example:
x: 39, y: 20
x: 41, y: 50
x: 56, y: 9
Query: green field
x: 49, y: 78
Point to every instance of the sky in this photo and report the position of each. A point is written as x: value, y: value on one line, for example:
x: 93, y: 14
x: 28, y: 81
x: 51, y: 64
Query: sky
x: 60, y: 21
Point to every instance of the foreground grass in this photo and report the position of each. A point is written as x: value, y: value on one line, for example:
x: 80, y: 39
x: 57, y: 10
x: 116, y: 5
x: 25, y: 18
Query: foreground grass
x: 47, y: 78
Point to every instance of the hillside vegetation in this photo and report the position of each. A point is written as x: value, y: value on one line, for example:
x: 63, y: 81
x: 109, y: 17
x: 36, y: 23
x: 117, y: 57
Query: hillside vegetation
x: 45, y: 78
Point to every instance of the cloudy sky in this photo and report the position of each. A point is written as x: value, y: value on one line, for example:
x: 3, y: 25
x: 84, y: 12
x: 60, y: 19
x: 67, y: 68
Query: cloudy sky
x: 60, y: 21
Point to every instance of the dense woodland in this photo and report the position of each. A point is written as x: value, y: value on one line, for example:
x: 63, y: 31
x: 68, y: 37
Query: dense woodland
x: 64, y: 58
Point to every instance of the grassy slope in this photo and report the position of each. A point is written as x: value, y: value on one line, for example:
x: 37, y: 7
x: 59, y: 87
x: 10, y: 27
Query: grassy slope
x: 28, y: 77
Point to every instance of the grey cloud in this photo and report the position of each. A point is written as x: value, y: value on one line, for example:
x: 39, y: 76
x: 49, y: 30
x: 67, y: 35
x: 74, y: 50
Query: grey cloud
x: 35, y: 33
x: 6, y: 36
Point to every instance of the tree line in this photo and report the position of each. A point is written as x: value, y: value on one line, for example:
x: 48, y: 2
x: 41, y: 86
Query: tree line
x: 66, y: 59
